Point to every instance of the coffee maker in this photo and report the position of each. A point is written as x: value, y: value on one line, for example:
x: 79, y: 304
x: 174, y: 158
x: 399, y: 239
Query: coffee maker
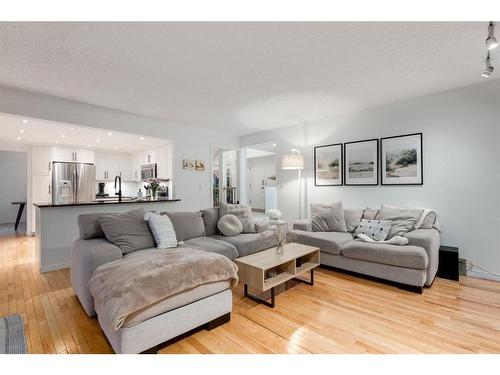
x: 100, y: 190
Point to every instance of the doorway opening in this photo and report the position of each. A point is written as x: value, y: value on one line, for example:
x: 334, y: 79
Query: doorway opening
x: 225, y: 172
x: 261, y: 176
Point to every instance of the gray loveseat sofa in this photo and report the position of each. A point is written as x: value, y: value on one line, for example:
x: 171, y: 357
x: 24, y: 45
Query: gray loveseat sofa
x: 413, y: 265
x: 183, y: 312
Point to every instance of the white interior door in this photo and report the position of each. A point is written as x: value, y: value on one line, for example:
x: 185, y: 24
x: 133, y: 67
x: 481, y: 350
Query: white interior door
x: 257, y: 182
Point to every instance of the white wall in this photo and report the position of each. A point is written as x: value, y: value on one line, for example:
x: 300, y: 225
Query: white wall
x: 461, y: 135
x: 13, y: 166
x: 189, y: 142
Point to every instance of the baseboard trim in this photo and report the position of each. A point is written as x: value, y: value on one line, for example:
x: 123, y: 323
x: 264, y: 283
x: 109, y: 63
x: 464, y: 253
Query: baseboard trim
x: 54, y: 267
x: 479, y: 274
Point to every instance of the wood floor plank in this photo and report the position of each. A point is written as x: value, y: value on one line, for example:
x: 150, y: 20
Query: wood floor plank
x: 340, y: 314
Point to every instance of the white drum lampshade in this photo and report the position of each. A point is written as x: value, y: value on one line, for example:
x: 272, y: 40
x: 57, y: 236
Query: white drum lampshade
x: 292, y: 161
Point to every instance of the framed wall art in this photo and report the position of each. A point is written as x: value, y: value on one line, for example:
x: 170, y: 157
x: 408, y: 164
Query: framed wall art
x: 328, y: 165
x: 361, y: 163
x: 401, y: 160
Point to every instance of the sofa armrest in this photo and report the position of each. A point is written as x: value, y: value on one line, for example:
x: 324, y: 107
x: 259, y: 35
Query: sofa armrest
x: 429, y: 239
x: 86, y: 256
x: 304, y: 224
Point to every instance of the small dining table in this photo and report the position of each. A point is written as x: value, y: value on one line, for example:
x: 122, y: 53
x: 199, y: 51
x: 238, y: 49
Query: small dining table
x: 19, y: 211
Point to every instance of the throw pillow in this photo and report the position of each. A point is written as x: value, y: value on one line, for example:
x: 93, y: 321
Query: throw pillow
x: 187, y: 225
x: 129, y: 231
x: 375, y: 229
x: 429, y: 220
x: 246, y: 218
x: 328, y: 218
x: 369, y: 213
x: 229, y: 225
x: 210, y: 217
x: 352, y: 218
x: 403, y: 219
x: 224, y: 208
x: 163, y: 231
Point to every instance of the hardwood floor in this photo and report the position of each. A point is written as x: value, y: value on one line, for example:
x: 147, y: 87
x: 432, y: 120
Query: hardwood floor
x: 340, y: 314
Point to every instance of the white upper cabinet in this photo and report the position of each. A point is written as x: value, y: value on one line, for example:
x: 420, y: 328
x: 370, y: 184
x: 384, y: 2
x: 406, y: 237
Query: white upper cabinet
x: 136, y: 160
x: 163, y: 159
x: 73, y: 155
x: 151, y: 156
x: 100, y: 166
x: 41, y: 161
x: 125, y: 169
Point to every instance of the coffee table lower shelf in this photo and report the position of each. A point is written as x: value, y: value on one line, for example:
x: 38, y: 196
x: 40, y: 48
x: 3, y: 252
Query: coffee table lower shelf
x: 272, y: 304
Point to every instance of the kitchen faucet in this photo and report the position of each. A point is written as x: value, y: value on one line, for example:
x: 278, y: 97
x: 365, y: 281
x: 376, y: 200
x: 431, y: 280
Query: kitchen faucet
x: 119, y: 187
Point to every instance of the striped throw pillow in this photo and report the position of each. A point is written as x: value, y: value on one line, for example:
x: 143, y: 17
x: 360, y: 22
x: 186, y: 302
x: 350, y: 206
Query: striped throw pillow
x: 163, y: 231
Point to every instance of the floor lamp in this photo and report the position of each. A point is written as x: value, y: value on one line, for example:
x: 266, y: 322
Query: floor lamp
x: 294, y: 161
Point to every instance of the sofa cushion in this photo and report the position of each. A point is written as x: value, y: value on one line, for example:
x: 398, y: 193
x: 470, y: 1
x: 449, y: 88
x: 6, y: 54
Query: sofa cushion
x: 352, y: 218
x: 225, y: 208
x: 403, y: 219
x: 129, y: 231
x: 229, y: 225
x: 249, y: 243
x: 187, y: 224
x: 214, y: 246
x: 246, y: 218
x: 210, y: 218
x: 413, y: 257
x: 328, y: 242
x: 328, y: 217
x: 89, y: 227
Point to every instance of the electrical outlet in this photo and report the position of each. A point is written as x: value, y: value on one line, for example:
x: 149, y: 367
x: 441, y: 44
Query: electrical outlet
x: 462, y: 266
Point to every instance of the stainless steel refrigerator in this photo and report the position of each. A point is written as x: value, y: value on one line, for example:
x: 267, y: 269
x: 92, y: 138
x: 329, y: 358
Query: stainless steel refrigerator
x: 73, y: 183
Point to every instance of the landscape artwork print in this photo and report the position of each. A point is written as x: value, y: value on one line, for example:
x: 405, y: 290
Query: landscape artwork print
x: 361, y: 162
x: 402, y: 160
x: 328, y: 165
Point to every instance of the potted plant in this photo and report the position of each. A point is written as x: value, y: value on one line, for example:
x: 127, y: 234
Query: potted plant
x: 152, y: 186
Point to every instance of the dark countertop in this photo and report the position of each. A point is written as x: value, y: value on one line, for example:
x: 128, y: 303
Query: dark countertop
x: 158, y: 200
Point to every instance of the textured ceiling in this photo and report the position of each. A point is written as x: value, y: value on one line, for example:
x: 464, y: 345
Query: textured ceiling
x: 240, y: 77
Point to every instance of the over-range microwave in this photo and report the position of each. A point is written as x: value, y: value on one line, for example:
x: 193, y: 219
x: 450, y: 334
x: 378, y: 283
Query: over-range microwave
x: 149, y: 171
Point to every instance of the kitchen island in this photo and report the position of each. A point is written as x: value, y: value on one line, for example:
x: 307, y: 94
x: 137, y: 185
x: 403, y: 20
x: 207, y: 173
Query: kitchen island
x: 57, y: 227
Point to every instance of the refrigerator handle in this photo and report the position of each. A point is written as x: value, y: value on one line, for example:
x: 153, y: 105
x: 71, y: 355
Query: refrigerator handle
x: 75, y: 184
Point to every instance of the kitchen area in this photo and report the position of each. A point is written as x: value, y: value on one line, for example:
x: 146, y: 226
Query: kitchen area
x: 73, y: 170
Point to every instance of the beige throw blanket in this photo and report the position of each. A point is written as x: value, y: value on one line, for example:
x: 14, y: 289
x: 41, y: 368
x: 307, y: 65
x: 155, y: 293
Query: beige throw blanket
x: 125, y: 286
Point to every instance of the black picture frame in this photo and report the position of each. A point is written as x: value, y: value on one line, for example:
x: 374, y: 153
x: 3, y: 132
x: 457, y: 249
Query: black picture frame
x: 341, y: 164
x: 419, y: 179
x: 377, y: 160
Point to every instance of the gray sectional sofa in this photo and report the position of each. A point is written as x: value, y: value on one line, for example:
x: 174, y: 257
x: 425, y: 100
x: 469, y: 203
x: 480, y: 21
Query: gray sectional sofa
x: 205, y: 304
x: 413, y: 265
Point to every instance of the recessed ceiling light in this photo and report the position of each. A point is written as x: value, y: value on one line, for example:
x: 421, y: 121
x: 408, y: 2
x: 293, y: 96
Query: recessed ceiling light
x: 21, y: 131
x: 98, y: 140
x: 63, y: 136
x: 25, y: 121
x: 57, y: 141
x: 88, y: 145
x: 116, y: 148
x: 142, y: 138
x: 18, y: 138
x: 109, y: 133
x: 71, y: 128
x: 274, y: 144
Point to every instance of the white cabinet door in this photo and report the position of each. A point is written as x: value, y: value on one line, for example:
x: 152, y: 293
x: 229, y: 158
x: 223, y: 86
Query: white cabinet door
x: 85, y: 156
x: 137, y: 160
x: 112, y: 166
x: 162, y: 161
x: 41, y: 161
x: 151, y: 156
x: 64, y: 154
x: 41, y: 189
x: 125, y: 169
x: 100, y: 166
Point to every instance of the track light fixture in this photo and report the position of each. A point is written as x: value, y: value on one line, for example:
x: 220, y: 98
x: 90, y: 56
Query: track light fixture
x: 491, y: 41
x: 489, y: 68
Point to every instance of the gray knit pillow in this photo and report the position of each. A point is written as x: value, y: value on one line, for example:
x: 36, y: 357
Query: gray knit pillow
x: 230, y: 225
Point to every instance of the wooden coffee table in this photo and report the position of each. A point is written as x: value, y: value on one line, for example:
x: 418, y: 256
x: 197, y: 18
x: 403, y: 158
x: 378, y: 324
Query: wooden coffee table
x: 255, y: 270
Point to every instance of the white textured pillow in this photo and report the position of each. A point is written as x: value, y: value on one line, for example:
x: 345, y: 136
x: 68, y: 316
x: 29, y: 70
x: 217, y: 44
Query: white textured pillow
x: 375, y: 229
x: 230, y: 225
x: 163, y: 231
